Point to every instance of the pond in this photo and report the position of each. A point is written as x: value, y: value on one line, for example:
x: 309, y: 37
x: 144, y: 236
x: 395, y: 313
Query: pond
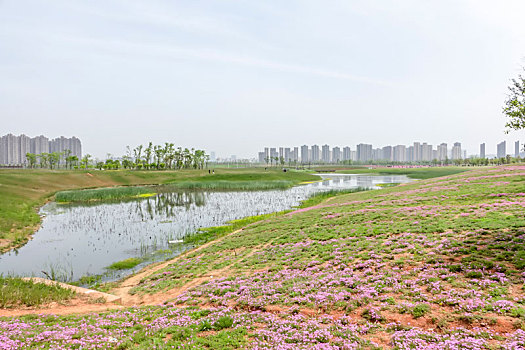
x: 84, y: 239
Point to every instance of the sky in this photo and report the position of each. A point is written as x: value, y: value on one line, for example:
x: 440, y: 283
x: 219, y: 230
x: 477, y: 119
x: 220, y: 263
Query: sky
x: 235, y: 76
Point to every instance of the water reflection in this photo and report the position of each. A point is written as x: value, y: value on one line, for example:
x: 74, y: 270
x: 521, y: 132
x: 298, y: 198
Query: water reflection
x: 79, y: 240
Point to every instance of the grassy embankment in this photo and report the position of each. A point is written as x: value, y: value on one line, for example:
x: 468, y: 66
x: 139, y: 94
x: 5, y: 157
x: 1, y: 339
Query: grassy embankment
x: 436, y: 264
x: 23, y: 191
x: 16, y: 292
x: 414, y: 173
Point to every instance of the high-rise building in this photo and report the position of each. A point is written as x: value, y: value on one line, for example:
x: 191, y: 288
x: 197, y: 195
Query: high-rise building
x: 516, y: 149
x: 25, y: 148
x: 3, y: 150
x: 377, y: 154
x: 261, y: 157
x: 295, y: 156
x: 400, y: 153
x: 502, y: 149
x: 426, y: 152
x: 442, y: 152
x: 273, y: 154
x: 13, y: 150
x: 304, y: 154
x: 482, y: 150
x: 416, y: 155
x: 456, y: 151
x: 336, y: 155
x: 315, y: 154
x: 410, y: 154
x: 62, y: 144
x: 387, y: 153
x: 287, y: 154
x: 281, y: 153
x: 325, y: 154
x: 346, y: 153
x: 39, y: 144
x: 364, y: 152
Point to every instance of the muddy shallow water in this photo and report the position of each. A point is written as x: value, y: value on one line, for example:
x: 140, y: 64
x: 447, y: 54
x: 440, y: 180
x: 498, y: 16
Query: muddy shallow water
x: 83, y: 239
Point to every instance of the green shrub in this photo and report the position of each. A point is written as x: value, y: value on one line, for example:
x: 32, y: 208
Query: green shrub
x: 223, y: 322
x: 420, y: 310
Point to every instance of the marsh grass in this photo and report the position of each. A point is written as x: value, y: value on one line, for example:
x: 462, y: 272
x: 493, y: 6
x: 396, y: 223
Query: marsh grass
x: 103, y: 194
x: 233, y: 185
x: 125, y: 264
x: 15, y: 292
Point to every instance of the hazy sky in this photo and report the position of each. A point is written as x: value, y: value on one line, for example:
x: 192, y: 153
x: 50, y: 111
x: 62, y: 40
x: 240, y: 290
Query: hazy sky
x: 234, y: 76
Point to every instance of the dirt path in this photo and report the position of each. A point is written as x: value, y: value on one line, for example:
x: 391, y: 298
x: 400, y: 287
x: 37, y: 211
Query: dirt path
x: 125, y: 286
x: 162, y: 297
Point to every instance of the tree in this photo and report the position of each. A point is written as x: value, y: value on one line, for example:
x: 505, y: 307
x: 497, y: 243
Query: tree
x: 85, y: 160
x: 44, y: 157
x: 31, y: 158
x: 147, y: 154
x: 138, y: 155
x: 515, y: 105
x: 54, y: 159
x: 67, y: 157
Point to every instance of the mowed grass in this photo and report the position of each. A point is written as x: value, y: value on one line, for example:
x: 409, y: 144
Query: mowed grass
x: 16, y: 292
x: 23, y: 191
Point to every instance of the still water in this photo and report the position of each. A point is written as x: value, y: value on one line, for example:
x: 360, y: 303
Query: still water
x: 83, y: 239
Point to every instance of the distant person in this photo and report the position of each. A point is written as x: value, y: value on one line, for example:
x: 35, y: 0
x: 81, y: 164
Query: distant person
x: 209, y: 171
x: 213, y: 172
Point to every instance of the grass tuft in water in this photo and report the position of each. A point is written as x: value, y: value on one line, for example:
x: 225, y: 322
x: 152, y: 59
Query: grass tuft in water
x: 15, y: 292
x: 125, y: 264
x: 103, y: 194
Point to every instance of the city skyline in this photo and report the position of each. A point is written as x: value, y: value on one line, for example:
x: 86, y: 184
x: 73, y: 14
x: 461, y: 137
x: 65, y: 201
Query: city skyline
x: 13, y: 148
x: 417, y: 152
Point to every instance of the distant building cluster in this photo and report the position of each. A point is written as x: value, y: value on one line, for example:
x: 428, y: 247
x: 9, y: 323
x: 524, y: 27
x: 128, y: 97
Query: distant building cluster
x: 13, y: 149
x: 418, y: 152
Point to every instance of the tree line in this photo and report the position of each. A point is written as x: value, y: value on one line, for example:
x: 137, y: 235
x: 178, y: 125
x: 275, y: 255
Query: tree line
x: 52, y: 160
x: 150, y: 157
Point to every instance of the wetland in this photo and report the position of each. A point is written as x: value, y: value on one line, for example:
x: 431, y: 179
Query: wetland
x: 91, y: 238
